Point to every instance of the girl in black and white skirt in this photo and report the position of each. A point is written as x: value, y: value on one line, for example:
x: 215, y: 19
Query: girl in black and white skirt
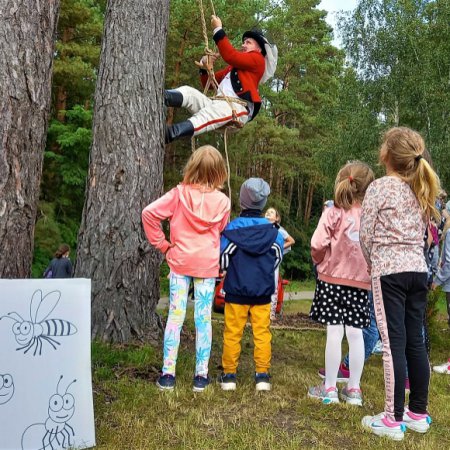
x: 341, y: 298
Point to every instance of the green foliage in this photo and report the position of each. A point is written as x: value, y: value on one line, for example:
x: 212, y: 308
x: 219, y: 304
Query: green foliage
x: 401, y: 51
x: 77, y: 52
x: 318, y: 112
x: 63, y: 183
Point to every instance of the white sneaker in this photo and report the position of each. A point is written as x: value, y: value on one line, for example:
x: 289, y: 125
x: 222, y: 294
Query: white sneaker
x: 382, y: 426
x: 443, y: 368
x: 416, y: 422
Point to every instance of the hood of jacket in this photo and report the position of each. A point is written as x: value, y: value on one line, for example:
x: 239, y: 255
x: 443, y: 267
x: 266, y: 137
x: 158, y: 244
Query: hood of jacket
x: 202, y: 215
x: 255, y: 240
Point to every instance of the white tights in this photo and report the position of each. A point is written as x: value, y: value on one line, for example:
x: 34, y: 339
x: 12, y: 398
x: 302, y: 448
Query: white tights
x: 333, y: 354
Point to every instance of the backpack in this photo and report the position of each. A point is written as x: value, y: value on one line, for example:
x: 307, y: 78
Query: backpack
x: 48, y: 273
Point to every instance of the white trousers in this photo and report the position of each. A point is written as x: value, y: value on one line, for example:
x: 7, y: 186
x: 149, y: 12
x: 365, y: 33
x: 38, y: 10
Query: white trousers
x: 208, y: 114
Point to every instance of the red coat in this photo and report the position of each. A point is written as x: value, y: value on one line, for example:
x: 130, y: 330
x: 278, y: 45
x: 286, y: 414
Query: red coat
x: 247, y: 69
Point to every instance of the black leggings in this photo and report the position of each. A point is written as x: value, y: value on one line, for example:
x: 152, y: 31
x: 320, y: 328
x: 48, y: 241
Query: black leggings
x: 400, y: 302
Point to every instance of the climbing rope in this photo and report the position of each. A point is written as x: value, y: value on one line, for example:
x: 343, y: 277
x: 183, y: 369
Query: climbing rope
x: 209, y: 68
x: 212, y: 82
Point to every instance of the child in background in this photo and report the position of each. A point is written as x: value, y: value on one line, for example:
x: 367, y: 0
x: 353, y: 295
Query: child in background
x: 274, y: 216
x: 443, y: 277
x: 443, y: 274
x: 396, y: 211
x: 341, y: 299
x: 198, y: 212
x: 251, y: 249
x: 60, y: 266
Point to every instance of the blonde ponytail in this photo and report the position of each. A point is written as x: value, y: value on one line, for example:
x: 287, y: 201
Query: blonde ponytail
x: 404, y: 150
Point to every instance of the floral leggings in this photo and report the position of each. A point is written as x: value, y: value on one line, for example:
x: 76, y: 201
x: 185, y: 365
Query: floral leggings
x: 203, y: 294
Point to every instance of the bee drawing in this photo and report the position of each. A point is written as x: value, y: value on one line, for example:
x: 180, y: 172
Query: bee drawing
x: 55, y: 433
x: 30, y: 334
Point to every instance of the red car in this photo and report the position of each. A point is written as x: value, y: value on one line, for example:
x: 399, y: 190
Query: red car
x: 219, y: 298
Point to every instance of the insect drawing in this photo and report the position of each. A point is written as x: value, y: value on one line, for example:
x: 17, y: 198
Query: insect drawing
x: 6, y: 388
x: 55, y: 433
x: 30, y: 334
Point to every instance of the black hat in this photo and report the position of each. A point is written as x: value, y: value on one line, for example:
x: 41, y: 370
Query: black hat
x: 258, y: 37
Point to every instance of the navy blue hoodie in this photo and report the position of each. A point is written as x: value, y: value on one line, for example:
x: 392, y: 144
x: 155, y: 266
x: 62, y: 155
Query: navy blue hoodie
x: 251, y: 248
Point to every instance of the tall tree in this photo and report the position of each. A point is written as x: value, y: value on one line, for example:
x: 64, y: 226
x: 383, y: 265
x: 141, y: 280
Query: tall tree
x: 125, y: 171
x: 401, y: 51
x: 27, y: 36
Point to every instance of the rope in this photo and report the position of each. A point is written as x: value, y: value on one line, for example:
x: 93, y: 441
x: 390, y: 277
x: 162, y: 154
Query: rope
x: 212, y: 81
x: 211, y: 76
x: 228, y: 163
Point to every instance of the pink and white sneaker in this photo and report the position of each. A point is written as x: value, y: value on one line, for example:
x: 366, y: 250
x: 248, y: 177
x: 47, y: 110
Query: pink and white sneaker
x: 351, y: 396
x: 327, y: 396
x: 416, y: 422
x: 383, y: 426
x: 443, y: 368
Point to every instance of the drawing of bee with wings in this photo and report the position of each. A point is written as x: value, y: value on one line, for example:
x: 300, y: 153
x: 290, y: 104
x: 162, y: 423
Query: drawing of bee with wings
x: 31, y: 334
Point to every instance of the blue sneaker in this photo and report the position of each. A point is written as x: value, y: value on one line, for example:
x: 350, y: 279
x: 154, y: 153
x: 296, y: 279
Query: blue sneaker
x: 166, y: 382
x: 200, y: 383
x: 227, y: 381
x: 262, y: 380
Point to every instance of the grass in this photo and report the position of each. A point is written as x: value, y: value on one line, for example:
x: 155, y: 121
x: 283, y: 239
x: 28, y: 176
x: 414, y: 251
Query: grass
x: 132, y: 414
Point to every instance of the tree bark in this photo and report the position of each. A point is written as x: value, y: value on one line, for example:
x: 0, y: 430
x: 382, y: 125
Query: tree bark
x: 125, y: 172
x: 27, y: 41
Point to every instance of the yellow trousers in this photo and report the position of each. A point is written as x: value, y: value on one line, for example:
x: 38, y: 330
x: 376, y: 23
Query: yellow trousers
x: 235, y: 319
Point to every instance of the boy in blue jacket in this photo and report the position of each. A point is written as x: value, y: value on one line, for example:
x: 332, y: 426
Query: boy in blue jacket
x: 251, y: 248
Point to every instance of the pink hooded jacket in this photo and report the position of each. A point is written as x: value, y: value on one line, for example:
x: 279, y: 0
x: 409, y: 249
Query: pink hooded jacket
x: 197, y: 217
x: 336, y: 250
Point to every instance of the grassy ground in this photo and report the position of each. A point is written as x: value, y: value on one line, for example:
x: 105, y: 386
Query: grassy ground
x: 132, y: 414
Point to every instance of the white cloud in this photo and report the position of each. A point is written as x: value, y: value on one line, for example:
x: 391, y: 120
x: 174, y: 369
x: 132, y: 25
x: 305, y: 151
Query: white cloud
x: 333, y: 6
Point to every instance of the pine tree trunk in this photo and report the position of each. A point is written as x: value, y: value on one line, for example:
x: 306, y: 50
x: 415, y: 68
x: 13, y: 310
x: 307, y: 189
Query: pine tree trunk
x: 125, y: 172
x: 290, y: 194
x: 300, y: 198
x: 27, y: 40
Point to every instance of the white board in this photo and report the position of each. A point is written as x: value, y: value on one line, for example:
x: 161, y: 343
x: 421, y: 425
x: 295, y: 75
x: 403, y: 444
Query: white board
x: 45, y: 365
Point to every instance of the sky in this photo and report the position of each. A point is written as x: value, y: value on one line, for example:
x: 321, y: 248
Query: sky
x: 332, y: 6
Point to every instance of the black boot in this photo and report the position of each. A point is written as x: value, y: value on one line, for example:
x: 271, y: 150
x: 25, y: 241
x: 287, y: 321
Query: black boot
x: 172, y: 97
x: 178, y: 130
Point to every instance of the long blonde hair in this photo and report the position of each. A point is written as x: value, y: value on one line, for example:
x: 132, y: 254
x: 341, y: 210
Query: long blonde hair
x: 351, y: 184
x: 206, y: 166
x: 404, y: 150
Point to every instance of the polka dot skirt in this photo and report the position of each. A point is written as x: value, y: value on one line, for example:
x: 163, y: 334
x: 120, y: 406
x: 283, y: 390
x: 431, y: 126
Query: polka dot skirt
x: 336, y: 304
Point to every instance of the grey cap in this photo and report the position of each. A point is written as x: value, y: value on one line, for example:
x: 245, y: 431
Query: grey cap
x: 254, y: 193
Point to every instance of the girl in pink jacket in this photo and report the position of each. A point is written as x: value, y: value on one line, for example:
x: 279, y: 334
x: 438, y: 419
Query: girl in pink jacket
x: 197, y: 212
x: 341, y: 297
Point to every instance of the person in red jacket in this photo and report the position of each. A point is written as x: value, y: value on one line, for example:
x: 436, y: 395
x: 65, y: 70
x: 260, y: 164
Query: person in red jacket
x: 253, y: 65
